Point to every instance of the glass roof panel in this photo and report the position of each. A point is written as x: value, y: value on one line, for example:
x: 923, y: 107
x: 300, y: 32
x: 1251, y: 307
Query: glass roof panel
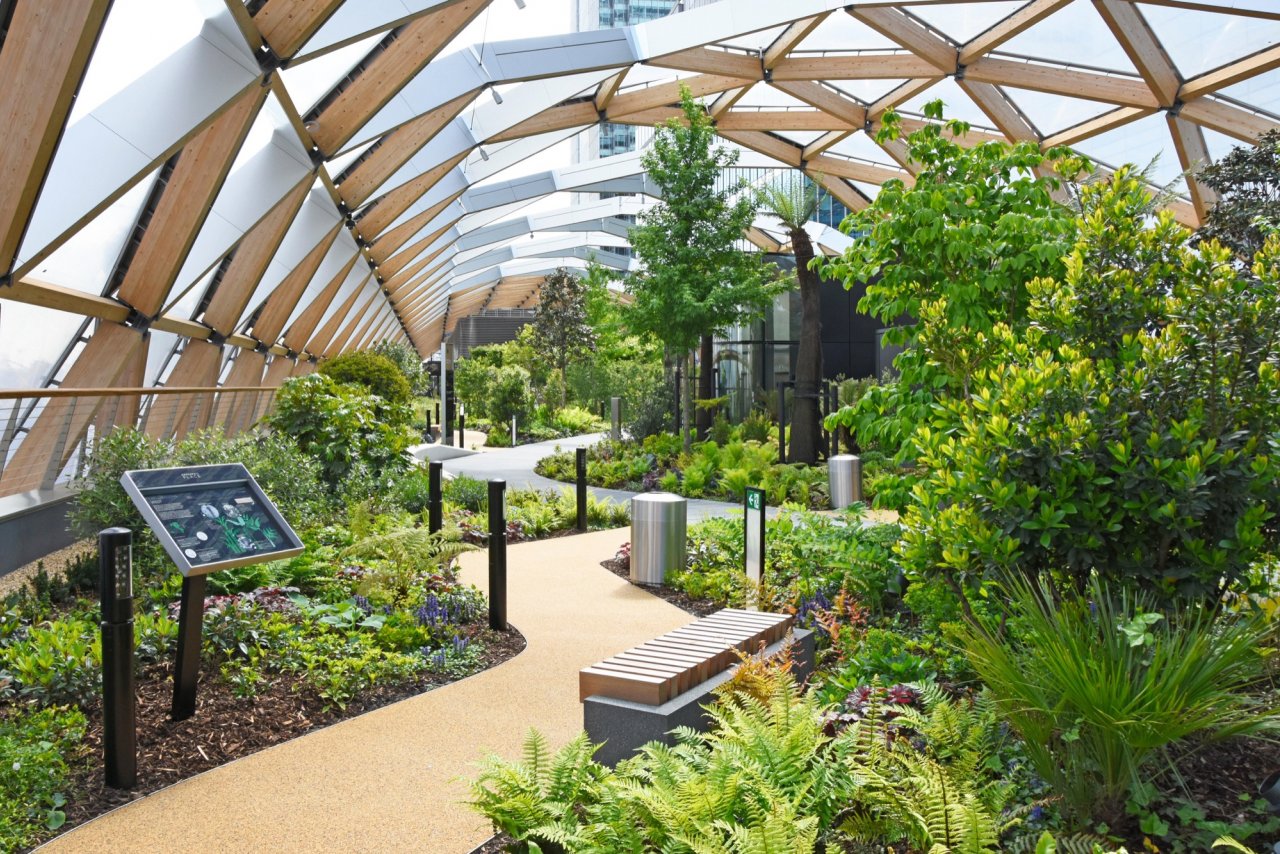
x: 843, y: 32
x: 1138, y: 143
x: 956, y: 104
x: 33, y: 337
x: 757, y: 40
x: 1262, y: 92
x: 138, y: 36
x: 1201, y: 41
x: 86, y: 260
x: 963, y: 21
x: 1075, y: 34
x: 1052, y: 113
x: 310, y: 81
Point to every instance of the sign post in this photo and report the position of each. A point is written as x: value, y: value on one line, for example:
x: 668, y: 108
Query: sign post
x: 208, y: 518
x: 753, y: 530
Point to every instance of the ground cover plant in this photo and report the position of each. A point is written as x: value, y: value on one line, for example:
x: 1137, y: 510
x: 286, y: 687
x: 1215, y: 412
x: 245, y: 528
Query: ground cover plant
x: 720, y: 468
x: 371, y: 611
x: 1068, y: 641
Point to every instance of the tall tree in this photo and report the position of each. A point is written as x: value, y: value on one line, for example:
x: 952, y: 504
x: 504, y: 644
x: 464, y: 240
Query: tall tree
x: 794, y: 201
x: 1248, y: 180
x: 560, y: 327
x: 695, y: 282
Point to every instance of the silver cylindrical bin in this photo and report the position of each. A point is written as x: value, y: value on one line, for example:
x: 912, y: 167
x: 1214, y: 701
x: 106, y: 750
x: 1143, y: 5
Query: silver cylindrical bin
x: 615, y: 425
x: 658, y: 523
x: 844, y: 477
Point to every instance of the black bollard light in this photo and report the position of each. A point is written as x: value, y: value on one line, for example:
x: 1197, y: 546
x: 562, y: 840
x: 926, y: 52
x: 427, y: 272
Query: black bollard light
x: 498, y: 555
x: 426, y: 434
x: 679, y: 412
x: 462, y: 429
x: 119, y: 714
x: 582, y: 489
x: 435, y: 501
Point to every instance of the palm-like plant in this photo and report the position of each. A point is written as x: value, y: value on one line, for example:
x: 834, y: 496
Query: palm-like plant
x: 794, y: 201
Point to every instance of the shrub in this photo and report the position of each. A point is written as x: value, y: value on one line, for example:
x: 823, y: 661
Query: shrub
x: 407, y: 360
x: 340, y: 428
x: 40, y: 750
x: 574, y: 421
x: 466, y: 492
x: 57, y: 663
x: 1099, y: 685
x: 473, y: 379
x: 511, y: 395
x: 376, y: 373
x: 1133, y: 431
x: 102, y: 502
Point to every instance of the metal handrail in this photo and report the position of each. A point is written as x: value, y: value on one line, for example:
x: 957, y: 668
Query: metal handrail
x: 18, y: 394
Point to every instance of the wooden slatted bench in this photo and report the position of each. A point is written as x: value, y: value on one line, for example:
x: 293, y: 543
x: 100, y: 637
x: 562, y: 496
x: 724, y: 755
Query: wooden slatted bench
x: 642, y: 693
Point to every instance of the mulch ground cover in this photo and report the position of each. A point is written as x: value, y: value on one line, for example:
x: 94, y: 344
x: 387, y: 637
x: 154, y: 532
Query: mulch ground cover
x: 621, y: 567
x: 226, y: 727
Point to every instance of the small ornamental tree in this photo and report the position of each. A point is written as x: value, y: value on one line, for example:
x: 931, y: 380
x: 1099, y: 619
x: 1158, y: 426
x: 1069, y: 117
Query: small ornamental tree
x: 560, y: 328
x: 696, y: 281
x: 1248, y: 180
x: 961, y: 243
x: 794, y: 202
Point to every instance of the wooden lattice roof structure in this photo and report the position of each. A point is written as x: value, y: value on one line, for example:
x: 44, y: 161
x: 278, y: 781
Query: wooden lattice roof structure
x: 279, y: 181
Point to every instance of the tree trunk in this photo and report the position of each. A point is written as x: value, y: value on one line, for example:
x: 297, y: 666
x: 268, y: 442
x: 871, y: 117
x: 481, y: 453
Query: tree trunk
x: 686, y: 390
x: 806, y: 433
x: 705, y: 389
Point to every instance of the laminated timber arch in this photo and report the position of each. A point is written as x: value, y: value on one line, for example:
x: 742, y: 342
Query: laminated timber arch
x: 257, y: 225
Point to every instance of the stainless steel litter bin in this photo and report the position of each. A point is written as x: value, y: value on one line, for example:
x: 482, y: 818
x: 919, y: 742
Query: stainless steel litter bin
x: 658, y: 523
x: 615, y: 424
x: 844, y: 478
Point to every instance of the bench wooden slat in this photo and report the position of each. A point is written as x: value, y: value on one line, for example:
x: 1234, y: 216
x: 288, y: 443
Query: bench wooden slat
x: 671, y: 664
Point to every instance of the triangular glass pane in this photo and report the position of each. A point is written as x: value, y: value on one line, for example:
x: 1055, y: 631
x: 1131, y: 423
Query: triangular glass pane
x: 1142, y: 143
x: 31, y: 337
x: 863, y: 147
x: 1199, y: 41
x: 956, y: 104
x: 756, y: 41
x: 310, y: 81
x: 1052, y: 113
x: 840, y: 32
x: 1076, y: 35
x: 867, y: 91
x: 138, y: 36
x: 1261, y: 92
x: 962, y: 21
x: 87, y: 259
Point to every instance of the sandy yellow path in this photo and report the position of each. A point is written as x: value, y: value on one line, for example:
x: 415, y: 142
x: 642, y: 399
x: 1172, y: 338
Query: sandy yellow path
x: 390, y: 780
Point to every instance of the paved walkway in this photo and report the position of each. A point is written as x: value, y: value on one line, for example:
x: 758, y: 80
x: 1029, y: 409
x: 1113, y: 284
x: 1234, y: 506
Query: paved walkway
x: 516, y: 465
x: 394, y: 779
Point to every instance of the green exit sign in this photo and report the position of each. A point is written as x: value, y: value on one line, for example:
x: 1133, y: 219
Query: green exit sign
x: 753, y: 500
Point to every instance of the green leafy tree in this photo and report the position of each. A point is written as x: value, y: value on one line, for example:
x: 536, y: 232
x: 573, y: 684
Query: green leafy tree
x: 1130, y: 431
x: 560, y: 328
x: 1248, y: 180
x: 958, y: 244
x: 794, y: 201
x: 510, y: 396
x: 472, y: 380
x: 378, y: 374
x: 696, y: 282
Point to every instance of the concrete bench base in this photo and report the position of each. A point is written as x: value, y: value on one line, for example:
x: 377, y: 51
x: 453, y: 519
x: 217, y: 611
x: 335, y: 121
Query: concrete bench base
x: 624, y: 726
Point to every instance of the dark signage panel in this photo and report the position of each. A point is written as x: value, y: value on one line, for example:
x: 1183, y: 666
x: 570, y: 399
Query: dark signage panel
x: 211, y: 517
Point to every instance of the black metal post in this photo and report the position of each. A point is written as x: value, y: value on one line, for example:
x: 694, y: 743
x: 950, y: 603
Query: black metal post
x: 462, y: 429
x: 679, y: 410
x: 497, y: 555
x: 437, y: 412
x: 186, y: 666
x: 426, y: 434
x: 446, y: 426
x: 435, y: 502
x: 582, y: 489
x: 782, y: 422
x: 119, y: 705
x: 835, y: 431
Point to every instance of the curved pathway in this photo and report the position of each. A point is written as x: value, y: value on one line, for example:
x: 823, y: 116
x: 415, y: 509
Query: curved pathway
x: 395, y: 779
x: 516, y: 466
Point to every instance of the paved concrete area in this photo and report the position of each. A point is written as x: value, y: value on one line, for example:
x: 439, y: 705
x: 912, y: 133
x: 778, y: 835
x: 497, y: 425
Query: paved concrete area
x: 395, y: 779
x: 515, y: 465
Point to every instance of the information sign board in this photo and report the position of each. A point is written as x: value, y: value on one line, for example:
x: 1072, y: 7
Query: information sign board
x: 210, y: 518
x: 753, y: 525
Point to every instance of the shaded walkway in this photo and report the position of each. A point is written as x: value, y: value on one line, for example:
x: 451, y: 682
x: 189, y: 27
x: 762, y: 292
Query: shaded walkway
x: 389, y: 780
